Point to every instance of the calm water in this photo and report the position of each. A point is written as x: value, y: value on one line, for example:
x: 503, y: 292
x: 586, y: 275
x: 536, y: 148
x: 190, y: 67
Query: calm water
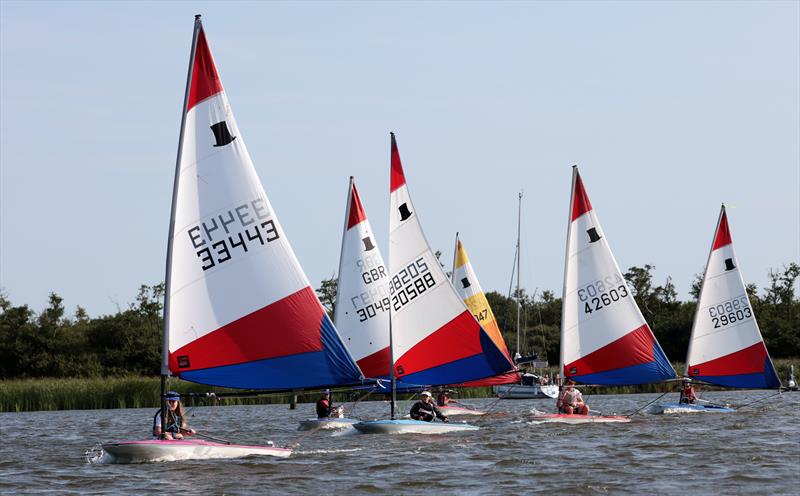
x: 756, y: 450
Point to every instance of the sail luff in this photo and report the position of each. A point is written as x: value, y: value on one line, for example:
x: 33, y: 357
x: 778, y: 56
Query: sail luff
x: 336, y: 306
x: 702, y: 287
x: 564, y: 286
x: 392, y: 376
x: 198, y: 26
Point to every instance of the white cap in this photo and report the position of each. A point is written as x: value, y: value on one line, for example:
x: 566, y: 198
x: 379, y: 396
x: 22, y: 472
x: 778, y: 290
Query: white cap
x: 425, y: 393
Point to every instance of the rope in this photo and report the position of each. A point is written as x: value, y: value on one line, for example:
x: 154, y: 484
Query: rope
x: 642, y: 408
x: 759, y: 400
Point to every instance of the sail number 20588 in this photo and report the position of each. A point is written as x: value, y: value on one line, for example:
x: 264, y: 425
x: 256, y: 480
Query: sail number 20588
x: 730, y: 312
x: 410, y: 282
x: 602, y: 293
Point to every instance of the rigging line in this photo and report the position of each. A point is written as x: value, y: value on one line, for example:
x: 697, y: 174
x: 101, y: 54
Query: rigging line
x: 760, y: 400
x: 642, y: 408
x: 210, y: 438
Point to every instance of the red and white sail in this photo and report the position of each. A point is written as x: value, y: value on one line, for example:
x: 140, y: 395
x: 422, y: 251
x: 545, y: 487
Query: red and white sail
x: 239, y: 311
x: 362, y: 300
x: 436, y: 340
x: 604, y: 337
x: 726, y: 347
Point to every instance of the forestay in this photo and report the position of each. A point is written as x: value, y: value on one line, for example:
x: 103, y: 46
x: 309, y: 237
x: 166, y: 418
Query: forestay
x: 240, y: 312
x: 469, y: 290
x: 362, y: 300
x: 726, y: 347
x: 436, y: 340
x: 604, y: 337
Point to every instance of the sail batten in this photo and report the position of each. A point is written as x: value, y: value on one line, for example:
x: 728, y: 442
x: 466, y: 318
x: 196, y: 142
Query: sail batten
x: 726, y: 347
x: 604, y: 336
x: 242, y: 312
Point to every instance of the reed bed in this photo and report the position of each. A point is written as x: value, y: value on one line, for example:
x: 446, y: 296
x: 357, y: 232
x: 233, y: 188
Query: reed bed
x: 24, y: 395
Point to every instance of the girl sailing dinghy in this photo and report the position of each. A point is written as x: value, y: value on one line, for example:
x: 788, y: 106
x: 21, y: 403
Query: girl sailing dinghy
x: 239, y: 311
x: 433, y: 337
x: 726, y: 347
x: 361, y: 312
x: 604, y: 337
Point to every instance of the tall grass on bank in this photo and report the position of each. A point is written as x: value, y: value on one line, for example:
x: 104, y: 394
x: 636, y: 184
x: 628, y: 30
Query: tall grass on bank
x: 25, y: 395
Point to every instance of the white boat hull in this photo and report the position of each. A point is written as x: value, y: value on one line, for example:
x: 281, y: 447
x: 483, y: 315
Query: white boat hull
x: 520, y: 392
x: 563, y: 418
x: 451, y: 411
x: 326, y: 423
x: 411, y: 427
x: 692, y: 408
x: 157, y: 450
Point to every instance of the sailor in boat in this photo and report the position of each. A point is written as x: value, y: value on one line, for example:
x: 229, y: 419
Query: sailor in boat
x: 424, y: 409
x: 325, y: 409
x: 176, y: 427
x: 571, y: 401
x: 687, y: 393
x: 443, y: 398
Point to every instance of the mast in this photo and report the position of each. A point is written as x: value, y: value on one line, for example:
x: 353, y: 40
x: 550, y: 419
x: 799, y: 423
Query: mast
x: 198, y: 25
x: 341, y: 252
x: 519, y: 253
x: 564, y: 286
x: 391, y: 341
x: 455, y: 257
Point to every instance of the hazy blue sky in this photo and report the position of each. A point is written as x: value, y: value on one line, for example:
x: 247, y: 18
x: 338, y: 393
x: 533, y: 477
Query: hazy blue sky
x: 669, y: 108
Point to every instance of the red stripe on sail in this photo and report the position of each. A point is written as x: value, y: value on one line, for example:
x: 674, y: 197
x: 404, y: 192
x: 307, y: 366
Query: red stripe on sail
x: 459, y: 338
x: 357, y: 214
x: 205, y: 79
x: 286, y: 327
x: 749, y: 360
x: 580, y: 200
x: 397, y: 178
x: 634, y: 348
x: 377, y: 364
x: 723, y: 236
x: 507, y: 378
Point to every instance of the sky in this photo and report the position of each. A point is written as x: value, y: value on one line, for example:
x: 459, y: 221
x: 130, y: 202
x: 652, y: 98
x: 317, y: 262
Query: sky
x: 668, y: 108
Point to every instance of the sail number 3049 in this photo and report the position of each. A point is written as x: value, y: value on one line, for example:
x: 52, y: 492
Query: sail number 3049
x: 600, y: 294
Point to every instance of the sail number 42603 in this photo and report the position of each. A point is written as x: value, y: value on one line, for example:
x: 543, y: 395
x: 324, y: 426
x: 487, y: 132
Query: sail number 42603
x: 602, y: 293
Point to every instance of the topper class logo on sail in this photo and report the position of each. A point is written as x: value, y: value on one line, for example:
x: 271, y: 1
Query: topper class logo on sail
x: 223, y: 236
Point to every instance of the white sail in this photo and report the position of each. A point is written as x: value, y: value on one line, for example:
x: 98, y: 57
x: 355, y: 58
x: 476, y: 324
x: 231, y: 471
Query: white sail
x: 362, y: 300
x: 436, y: 340
x: 726, y: 347
x: 604, y: 337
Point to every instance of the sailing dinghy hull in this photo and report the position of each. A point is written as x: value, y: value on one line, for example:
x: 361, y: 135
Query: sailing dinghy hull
x: 563, y: 418
x: 158, y: 450
x: 518, y: 392
x: 687, y: 408
x: 411, y: 427
x: 451, y: 411
x: 326, y: 423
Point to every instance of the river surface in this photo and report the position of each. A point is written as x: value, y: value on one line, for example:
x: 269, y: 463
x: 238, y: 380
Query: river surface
x: 755, y: 450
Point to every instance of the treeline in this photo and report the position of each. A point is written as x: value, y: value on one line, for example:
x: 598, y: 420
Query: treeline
x: 56, y: 345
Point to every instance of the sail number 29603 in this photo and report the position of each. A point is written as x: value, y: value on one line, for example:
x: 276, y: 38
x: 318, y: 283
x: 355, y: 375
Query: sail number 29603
x: 730, y: 312
x: 602, y: 293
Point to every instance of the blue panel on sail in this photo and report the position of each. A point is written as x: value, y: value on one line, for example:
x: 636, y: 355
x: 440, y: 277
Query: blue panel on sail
x: 330, y: 367
x: 645, y: 373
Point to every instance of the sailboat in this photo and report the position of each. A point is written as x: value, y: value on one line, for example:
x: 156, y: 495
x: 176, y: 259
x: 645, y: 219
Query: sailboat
x: 361, y: 311
x: 605, y: 339
x: 469, y: 289
x: 239, y: 311
x: 433, y: 337
x: 726, y: 348
x: 527, y: 385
